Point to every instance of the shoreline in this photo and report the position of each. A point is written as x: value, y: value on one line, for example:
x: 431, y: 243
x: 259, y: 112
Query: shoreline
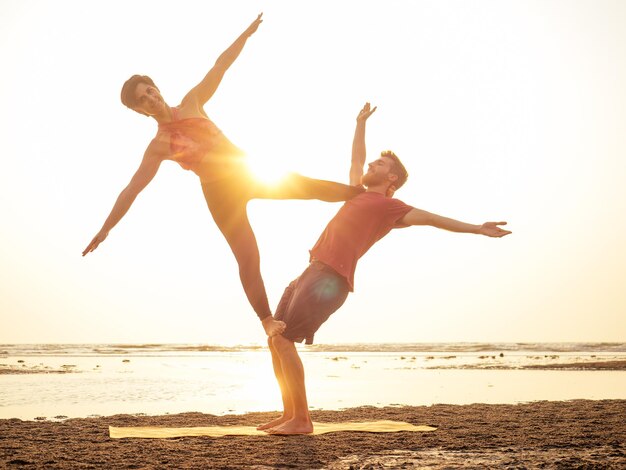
x: 600, y: 365
x: 551, y: 433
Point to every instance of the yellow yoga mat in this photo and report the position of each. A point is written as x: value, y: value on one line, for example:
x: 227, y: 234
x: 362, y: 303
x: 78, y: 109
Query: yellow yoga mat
x: 154, y: 432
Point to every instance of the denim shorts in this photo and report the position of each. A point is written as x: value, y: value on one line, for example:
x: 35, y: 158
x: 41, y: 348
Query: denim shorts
x: 309, y: 300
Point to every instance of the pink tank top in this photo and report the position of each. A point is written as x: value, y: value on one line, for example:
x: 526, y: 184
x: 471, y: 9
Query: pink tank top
x: 190, y: 139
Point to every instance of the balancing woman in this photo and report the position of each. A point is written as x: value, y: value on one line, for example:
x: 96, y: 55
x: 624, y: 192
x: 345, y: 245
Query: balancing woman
x: 186, y: 135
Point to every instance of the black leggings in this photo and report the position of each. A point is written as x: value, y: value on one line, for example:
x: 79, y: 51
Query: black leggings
x: 227, y: 201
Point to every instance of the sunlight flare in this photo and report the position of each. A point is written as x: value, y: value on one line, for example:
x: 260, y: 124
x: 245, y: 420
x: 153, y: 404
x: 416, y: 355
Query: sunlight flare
x: 268, y: 170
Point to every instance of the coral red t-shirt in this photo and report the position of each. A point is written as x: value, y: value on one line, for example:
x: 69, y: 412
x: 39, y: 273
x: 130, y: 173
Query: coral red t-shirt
x: 361, y: 222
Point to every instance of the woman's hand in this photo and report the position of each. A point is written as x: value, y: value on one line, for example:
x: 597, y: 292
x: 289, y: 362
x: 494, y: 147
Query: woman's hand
x: 254, y: 25
x: 99, y: 238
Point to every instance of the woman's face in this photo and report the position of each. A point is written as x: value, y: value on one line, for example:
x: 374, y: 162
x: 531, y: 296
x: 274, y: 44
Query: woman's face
x: 148, y: 100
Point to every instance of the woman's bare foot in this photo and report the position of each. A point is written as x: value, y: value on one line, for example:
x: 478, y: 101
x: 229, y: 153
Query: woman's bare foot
x: 275, y: 422
x: 273, y: 327
x: 293, y: 426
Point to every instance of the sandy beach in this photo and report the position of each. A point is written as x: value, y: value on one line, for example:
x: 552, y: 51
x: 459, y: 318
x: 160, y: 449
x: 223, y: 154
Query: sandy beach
x: 566, y: 434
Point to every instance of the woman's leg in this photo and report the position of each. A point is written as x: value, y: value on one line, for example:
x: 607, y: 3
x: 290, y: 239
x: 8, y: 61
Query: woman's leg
x: 231, y: 217
x: 295, y: 186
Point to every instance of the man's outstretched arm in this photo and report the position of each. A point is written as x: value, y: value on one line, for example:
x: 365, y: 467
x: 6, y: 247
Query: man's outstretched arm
x: 421, y: 217
x: 358, y: 145
x: 202, y: 92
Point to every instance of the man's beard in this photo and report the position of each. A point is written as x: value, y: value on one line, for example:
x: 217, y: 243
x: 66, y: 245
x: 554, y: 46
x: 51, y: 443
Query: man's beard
x: 371, y: 179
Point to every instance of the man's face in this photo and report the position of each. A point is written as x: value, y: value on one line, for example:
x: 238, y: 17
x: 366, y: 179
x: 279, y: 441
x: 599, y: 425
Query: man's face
x: 148, y: 100
x: 378, y: 172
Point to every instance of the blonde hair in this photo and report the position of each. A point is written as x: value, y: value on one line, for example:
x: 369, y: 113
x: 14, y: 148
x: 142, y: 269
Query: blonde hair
x: 397, y: 168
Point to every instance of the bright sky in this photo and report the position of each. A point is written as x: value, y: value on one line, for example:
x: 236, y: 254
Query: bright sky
x: 500, y: 110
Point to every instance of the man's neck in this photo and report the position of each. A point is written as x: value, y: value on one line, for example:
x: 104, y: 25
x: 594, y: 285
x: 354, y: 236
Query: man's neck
x: 377, y: 189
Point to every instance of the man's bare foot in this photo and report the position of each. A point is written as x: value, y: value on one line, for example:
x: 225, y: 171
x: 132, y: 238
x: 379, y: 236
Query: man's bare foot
x: 273, y: 327
x: 293, y: 426
x: 273, y: 423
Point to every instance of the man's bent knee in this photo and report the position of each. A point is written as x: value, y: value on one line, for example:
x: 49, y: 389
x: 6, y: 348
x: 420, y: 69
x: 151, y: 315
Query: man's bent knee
x: 282, y: 344
x: 271, y: 342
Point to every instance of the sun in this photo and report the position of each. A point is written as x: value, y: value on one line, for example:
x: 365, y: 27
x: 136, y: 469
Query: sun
x: 266, y: 169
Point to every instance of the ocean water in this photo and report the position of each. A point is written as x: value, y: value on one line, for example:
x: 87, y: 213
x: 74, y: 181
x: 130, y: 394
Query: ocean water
x: 80, y: 380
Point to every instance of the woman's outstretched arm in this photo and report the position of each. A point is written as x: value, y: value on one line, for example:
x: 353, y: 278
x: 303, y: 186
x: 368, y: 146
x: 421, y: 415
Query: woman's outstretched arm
x: 149, y: 166
x: 202, y: 92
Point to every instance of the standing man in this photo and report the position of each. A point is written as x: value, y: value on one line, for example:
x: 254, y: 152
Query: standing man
x: 324, y: 285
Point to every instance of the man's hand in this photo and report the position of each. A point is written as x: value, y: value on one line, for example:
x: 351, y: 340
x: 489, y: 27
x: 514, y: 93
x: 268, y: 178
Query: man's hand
x: 365, y: 113
x: 358, y: 145
x: 99, y: 238
x: 491, y: 229
x: 254, y: 26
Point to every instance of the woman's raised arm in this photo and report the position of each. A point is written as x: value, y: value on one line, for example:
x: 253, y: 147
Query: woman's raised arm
x: 202, y: 92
